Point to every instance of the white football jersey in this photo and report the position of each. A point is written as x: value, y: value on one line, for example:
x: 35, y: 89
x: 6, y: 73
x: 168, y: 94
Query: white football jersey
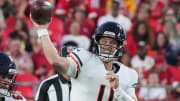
x: 12, y: 99
x: 89, y: 83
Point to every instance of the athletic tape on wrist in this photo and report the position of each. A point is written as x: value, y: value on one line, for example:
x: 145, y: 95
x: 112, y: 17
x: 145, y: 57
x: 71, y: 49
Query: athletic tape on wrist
x: 42, y: 32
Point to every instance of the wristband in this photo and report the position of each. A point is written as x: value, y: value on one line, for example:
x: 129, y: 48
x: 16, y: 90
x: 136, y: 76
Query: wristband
x: 42, y: 32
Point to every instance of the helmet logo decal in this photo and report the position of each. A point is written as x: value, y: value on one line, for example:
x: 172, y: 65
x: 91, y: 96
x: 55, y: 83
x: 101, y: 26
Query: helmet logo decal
x: 13, y: 71
x: 109, y: 33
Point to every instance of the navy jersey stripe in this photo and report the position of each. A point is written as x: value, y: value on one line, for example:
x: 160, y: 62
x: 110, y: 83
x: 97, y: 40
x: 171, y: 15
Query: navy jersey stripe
x: 78, y: 58
x: 111, y: 95
x: 101, y: 93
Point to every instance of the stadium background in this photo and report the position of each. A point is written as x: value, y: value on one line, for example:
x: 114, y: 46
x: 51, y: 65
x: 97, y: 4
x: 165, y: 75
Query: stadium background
x: 153, y: 31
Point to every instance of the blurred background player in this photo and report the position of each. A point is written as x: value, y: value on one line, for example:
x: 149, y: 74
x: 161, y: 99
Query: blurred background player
x: 7, y: 79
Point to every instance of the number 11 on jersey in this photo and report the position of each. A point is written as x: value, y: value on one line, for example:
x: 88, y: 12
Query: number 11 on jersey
x: 101, y: 93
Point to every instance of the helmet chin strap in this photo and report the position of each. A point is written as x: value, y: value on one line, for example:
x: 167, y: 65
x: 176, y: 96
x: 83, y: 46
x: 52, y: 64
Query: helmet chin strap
x: 107, y: 57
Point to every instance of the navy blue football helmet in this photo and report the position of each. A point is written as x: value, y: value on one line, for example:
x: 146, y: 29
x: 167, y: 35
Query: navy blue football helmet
x: 111, y: 30
x: 8, y: 74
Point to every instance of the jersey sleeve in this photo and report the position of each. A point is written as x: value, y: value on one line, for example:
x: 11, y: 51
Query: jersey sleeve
x: 132, y: 84
x: 77, y: 58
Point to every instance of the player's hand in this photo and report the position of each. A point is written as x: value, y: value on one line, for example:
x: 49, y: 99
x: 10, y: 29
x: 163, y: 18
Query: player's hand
x: 37, y: 26
x: 113, y: 79
x: 18, y: 96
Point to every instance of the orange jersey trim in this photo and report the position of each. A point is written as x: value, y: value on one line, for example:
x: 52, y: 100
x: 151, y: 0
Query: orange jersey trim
x: 79, y: 69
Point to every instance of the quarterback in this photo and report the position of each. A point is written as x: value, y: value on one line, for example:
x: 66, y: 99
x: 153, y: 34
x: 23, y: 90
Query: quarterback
x: 94, y: 76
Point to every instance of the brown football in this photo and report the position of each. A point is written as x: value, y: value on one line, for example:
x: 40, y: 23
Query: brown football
x: 41, y: 12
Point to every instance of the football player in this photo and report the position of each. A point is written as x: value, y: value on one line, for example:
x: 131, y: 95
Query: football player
x: 7, y: 79
x: 95, y: 77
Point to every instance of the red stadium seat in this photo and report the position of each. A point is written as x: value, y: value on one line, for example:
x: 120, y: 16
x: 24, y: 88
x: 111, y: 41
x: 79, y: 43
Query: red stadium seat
x: 10, y: 21
x: 6, y: 32
x: 175, y: 73
x: 26, y: 90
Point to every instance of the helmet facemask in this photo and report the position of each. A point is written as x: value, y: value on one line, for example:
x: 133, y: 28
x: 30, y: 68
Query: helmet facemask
x: 8, y: 84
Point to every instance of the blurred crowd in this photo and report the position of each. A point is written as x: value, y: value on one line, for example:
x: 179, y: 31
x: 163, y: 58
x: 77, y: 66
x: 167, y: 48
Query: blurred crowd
x: 152, y: 30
